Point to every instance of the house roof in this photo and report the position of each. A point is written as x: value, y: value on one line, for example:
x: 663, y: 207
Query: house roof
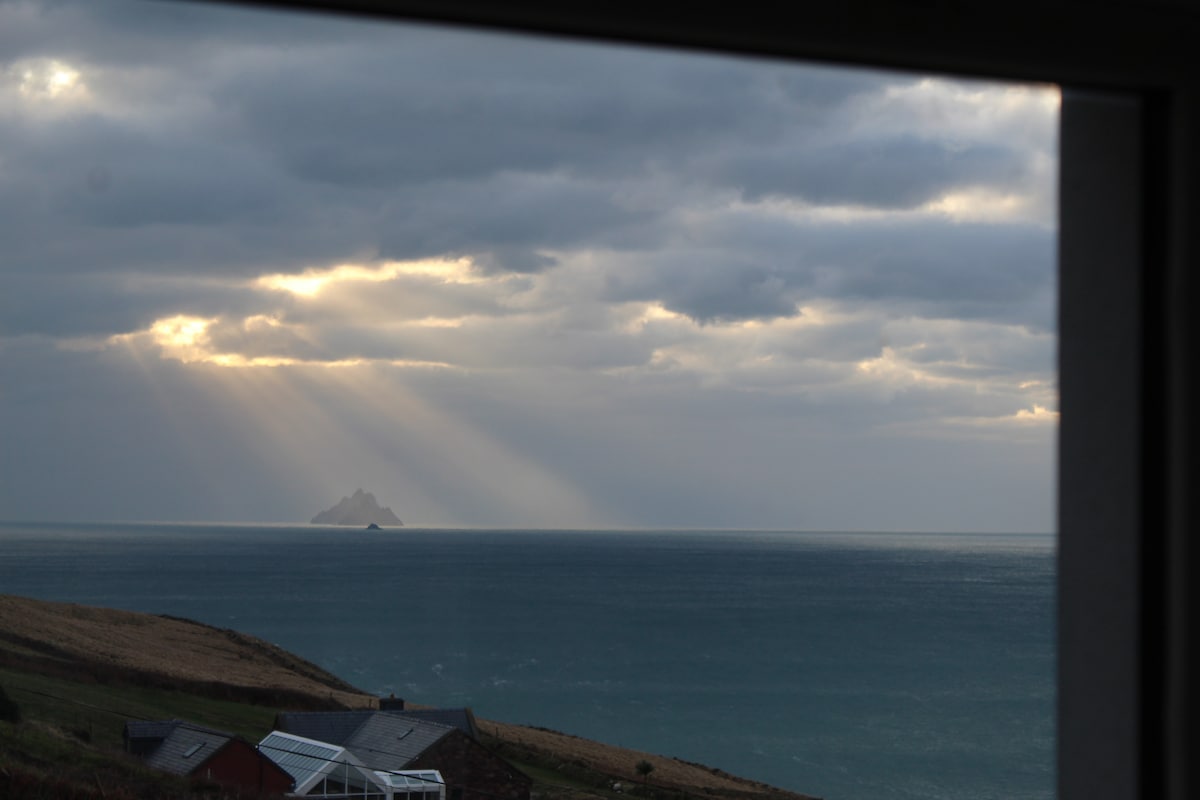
x: 186, y: 748
x: 334, y: 727
x: 392, y: 742
x: 383, y: 740
x: 460, y: 718
x: 147, y: 729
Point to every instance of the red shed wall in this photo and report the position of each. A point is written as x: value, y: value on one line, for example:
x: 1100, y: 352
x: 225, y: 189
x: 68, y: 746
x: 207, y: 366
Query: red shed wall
x: 240, y: 764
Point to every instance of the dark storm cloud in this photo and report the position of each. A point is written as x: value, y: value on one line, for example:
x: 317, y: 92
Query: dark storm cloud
x: 243, y: 140
x: 725, y: 292
x: 121, y: 31
x: 514, y: 258
x: 384, y: 122
x: 422, y: 109
x: 509, y: 218
x: 899, y: 172
x: 979, y: 271
x: 100, y: 173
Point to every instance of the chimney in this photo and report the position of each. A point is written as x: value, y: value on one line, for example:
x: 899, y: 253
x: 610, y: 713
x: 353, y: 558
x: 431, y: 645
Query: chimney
x: 391, y: 703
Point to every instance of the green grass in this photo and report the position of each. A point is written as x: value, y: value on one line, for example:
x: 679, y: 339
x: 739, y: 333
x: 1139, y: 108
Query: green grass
x: 38, y: 763
x: 69, y: 740
x: 555, y: 779
x: 550, y: 777
x: 98, y: 712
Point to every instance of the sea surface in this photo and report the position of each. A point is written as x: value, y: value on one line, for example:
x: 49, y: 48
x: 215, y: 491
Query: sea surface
x: 848, y: 666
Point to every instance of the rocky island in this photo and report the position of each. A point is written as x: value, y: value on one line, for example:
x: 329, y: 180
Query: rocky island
x: 359, y: 509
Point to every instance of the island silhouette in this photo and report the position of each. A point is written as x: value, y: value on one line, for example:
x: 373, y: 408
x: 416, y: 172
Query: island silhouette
x: 361, y: 508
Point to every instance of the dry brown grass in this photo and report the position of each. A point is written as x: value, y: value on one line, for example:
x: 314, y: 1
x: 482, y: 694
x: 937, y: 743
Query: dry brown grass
x: 621, y: 762
x: 173, y: 648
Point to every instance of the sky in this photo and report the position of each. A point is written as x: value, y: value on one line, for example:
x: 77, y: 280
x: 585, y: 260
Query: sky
x: 253, y: 261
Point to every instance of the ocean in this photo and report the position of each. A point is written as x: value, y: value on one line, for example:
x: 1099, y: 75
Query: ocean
x: 850, y: 666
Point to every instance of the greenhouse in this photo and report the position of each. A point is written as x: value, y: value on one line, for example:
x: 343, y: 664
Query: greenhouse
x: 323, y: 770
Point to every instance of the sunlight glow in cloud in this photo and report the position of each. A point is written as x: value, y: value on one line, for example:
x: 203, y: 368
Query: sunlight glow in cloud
x: 437, y: 322
x: 971, y: 108
x: 646, y: 314
x: 310, y: 283
x: 890, y: 368
x: 966, y: 205
x: 181, y: 338
x: 240, y: 361
x: 807, y: 316
x: 1030, y: 420
x: 189, y: 340
x: 979, y: 205
x: 47, y: 79
x: 796, y: 211
x: 1039, y: 414
x: 180, y: 332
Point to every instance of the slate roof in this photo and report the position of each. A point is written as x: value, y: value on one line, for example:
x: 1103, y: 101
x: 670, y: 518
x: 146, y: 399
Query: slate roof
x: 334, y: 727
x: 460, y: 718
x: 186, y: 748
x: 383, y: 740
x: 144, y: 729
x: 392, y: 742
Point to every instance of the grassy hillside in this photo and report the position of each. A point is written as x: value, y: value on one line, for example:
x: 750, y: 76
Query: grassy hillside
x: 67, y: 743
x: 76, y: 674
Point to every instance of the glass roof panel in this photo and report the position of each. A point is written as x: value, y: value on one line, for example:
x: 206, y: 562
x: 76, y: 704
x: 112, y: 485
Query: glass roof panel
x: 413, y: 779
x: 301, y: 758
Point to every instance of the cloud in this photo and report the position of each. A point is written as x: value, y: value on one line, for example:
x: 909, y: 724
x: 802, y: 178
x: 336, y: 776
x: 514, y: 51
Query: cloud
x: 901, y: 171
x: 561, y: 257
x: 745, y: 263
